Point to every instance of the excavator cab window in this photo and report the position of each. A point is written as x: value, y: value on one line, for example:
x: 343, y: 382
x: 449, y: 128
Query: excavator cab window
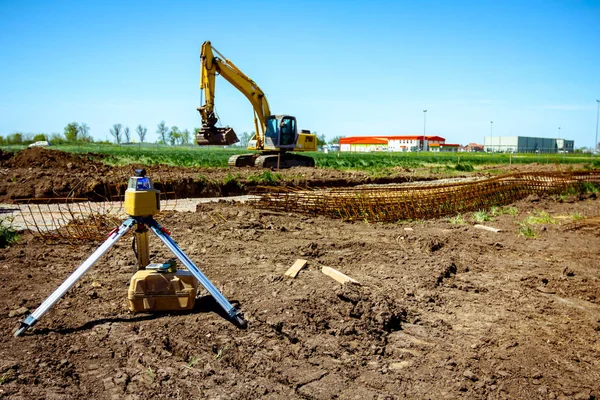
x: 272, y: 133
x: 288, y: 130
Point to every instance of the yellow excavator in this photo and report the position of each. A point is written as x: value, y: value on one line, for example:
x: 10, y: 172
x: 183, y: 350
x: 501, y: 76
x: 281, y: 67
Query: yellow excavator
x: 276, y: 136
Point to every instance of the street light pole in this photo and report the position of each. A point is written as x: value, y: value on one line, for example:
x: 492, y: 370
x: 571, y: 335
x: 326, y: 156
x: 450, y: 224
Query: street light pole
x: 559, y: 132
x: 424, y: 125
x: 597, y: 115
x: 492, y: 136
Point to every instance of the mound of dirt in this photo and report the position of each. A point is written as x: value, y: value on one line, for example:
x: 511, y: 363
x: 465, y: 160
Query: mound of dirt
x: 44, y: 158
x: 5, y: 155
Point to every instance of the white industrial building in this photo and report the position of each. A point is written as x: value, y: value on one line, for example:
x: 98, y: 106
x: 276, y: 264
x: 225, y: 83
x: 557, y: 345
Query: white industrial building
x: 524, y: 144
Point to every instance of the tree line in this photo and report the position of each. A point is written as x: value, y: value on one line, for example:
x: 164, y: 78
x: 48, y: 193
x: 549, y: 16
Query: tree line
x: 76, y: 132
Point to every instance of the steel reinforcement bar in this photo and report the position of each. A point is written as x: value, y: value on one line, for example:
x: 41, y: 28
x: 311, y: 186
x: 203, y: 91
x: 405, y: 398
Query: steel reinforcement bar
x: 391, y: 203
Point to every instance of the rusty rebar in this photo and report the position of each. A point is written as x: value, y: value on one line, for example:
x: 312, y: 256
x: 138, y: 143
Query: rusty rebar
x: 395, y: 202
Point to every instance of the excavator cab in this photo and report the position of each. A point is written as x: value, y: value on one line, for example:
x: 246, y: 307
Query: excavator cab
x: 281, y: 132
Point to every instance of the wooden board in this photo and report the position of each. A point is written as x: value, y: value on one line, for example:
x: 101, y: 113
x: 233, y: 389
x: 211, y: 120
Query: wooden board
x: 337, y: 275
x: 487, y: 228
x: 294, y: 269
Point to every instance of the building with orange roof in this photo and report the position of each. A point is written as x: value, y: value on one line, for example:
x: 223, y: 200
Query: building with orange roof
x: 391, y: 143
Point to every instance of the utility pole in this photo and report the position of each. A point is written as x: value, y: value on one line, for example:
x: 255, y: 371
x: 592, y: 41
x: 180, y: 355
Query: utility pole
x: 424, y: 125
x: 492, y: 136
x: 597, y: 115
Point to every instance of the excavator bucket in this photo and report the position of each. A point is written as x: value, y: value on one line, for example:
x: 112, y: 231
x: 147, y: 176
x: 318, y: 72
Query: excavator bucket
x: 216, y: 137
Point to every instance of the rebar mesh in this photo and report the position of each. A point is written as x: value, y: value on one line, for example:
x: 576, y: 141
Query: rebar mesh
x: 71, y: 219
x: 391, y: 203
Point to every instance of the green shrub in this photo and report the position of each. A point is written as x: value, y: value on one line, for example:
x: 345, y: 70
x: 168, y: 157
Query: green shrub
x: 464, y: 167
x: 526, y: 231
x: 8, y: 235
x: 265, y: 178
x: 481, y: 216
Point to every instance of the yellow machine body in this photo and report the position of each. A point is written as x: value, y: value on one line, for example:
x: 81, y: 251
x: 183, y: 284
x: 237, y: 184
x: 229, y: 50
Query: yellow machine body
x: 306, y: 142
x: 151, y: 290
x: 141, y: 199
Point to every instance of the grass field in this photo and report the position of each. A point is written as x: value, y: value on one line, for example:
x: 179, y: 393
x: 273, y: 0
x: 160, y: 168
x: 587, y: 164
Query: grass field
x: 195, y: 156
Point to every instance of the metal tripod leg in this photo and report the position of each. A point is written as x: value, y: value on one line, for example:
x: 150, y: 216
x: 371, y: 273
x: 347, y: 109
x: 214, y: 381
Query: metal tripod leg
x: 75, y: 276
x: 234, y: 315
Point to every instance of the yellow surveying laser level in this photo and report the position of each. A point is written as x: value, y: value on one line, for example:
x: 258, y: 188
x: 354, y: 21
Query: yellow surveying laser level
x: 154, y: 287
x: 141, y: 199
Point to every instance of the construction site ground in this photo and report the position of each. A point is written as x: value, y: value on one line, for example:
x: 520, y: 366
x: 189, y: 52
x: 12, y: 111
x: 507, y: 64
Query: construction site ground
x: 443, y: 309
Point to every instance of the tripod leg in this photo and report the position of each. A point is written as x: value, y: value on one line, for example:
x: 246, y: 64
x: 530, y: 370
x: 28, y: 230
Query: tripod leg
x: 33, y: 318
x: 234, y: 315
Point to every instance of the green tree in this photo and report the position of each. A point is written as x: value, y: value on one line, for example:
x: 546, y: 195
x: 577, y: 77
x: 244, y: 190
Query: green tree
x: 321, y: 139
x: 174, y: 135
x: 141, y: 131
x: 15, y: 138
x: 71, y: 131
x: 127, y: 135
x: 117, y: 131
x: 84, y: 132
x: 162, y: 132
x: 245, y: 138
x: 40, y: 137
x: 335, y: 140
x: 185, y: 137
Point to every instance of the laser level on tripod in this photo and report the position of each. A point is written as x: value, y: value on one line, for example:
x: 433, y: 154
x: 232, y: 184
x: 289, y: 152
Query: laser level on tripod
x: 154, y: 287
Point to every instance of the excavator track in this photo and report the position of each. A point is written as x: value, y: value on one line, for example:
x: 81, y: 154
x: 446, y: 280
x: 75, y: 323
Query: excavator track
x: 242, y: 160
x: 284, y: 160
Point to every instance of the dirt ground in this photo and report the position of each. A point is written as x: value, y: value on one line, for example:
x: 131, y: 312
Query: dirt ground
x: 42, y: 173
x: 443, y: 310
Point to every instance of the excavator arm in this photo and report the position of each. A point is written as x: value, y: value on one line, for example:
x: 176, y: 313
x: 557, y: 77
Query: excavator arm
x: 210, y: 66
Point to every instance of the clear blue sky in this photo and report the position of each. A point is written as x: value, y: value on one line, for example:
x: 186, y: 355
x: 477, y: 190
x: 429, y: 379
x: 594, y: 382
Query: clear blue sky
x: 342, y: 68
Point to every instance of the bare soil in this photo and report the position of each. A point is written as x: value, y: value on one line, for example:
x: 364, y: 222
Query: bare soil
x: 39, y: 173
x: 442, y: 311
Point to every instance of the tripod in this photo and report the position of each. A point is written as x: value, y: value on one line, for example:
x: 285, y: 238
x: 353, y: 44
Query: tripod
x: 137, y: 198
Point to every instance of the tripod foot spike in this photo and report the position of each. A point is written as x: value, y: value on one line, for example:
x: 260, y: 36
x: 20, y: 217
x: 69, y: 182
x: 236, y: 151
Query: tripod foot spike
x: 239, y: 321
x: 21, y: 330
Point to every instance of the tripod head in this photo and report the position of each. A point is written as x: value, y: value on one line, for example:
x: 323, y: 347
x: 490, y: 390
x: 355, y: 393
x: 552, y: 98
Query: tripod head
x: 141, y: 199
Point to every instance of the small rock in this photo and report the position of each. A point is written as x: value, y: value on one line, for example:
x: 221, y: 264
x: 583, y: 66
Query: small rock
x: 568, y: 272
x: 18, y: 312
x: 545, y: 290
x: 400, y: 365
x: 470, y: 375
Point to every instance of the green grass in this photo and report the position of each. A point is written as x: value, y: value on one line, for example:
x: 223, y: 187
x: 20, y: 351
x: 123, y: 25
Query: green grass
x: 495, y: 211
x: 265, y: 178
x: 233, y: 180
x: 526, y: 231
x: 8, y: 235
x: 464, y: 167
x: 539, y: 218
x: 577, y: 216
x: 5, y: 376
x: 383, y: 162
x: 511, y: 210
x: 457, y: 220
x: 481, y: 216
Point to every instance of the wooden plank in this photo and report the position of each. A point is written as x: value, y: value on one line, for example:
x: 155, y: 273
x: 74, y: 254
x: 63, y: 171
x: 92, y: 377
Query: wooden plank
x: 294, y: 269
x: 487, y: 228
x: 337, y: 275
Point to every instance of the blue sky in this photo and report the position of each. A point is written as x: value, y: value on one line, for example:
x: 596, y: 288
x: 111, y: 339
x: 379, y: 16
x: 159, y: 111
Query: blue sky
x: 343, y: 68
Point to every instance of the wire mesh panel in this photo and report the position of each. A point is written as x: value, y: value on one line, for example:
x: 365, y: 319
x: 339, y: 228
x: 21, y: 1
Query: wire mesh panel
x: 390, y: 203
x: 76, y: 219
